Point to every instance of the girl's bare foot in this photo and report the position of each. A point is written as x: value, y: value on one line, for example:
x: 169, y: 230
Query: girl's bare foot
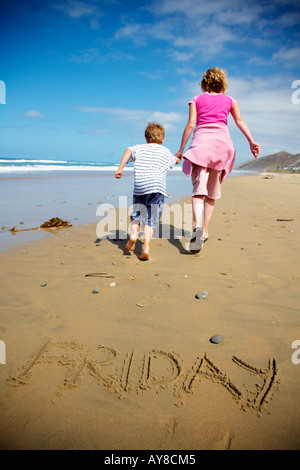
x: 130, y: 245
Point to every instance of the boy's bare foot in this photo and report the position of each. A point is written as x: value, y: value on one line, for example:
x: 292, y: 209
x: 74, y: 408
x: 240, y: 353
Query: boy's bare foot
x: 130, y: 245
x: 144, y: 256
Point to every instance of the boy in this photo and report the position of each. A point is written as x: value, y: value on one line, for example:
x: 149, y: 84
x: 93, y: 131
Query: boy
x: 151, y: 163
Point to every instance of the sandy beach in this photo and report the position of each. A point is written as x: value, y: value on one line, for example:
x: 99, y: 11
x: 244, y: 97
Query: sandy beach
x: 132, y: 366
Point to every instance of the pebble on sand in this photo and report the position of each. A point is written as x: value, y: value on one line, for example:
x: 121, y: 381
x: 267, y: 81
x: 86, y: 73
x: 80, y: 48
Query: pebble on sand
x: 95, y: 291
x: 216, y: 339
x: 43, y: 284
x: 112, y: 284
x: 202, y: 295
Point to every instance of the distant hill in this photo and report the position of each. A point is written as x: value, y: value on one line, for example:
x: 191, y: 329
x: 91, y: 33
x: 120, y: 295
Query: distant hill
x: 277, y: 161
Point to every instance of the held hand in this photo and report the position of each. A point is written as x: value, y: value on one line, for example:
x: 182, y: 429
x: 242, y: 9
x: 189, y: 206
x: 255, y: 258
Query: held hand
x: 178, y: 154
x: 255, y: 149
x: 118, y: 174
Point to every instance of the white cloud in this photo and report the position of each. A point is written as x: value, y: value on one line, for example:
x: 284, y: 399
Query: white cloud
x: 142, y: 34
x: 290, y: 19
x: 179, y: 56
x: 136, y: 117
x: 128, y: 31
x: 202, y: 29
x: 34, y: 114
x: 208, y: 29
x: 186, y: 71
x: 287, y: 56
x: 226, y: 12
x: 267, y: 108
x: 87, y: 56
x: 77, y: 9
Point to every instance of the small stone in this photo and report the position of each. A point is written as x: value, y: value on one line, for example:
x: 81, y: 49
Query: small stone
x: 202, y: 295
x: 43, y: 284
x: 156, y: 274
x: 24, y: 252
x: 95, y: 291
x: 112, y: 284
x: 260, y: 244
x: 4, y: 227
x: 114, y: 264
x: 22, y: 223
x: 216, y: 339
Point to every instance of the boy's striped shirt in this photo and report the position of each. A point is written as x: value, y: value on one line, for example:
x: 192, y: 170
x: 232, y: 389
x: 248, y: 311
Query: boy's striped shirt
x: 151, y: 163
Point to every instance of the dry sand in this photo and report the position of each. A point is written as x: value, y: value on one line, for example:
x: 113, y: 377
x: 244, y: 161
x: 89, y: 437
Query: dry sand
x: 132, y: 367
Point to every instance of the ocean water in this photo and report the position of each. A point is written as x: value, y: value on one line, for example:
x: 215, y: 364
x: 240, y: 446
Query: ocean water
x: 23, y: 166
x: 34, y: 191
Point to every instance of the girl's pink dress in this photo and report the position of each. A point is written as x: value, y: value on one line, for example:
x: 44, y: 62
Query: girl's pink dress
x: 211, y: 145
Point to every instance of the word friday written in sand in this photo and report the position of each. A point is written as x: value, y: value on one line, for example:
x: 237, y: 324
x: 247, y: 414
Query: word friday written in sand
x: 136, y: 373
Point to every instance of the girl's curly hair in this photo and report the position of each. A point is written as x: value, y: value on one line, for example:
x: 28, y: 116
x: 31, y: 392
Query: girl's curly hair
x: 214, y: 79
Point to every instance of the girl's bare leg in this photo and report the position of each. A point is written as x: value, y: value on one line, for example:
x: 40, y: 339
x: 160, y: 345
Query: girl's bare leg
x: 148, y: 232
x: 209, y: 205
x: 133, y: 235
x: 203, y: 208
x: 198, y: 210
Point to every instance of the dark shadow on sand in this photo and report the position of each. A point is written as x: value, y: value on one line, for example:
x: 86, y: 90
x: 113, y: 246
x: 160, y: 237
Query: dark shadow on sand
x: 174, y: 235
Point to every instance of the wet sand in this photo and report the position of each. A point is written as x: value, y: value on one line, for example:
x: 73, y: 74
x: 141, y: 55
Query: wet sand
x: 27, y: 202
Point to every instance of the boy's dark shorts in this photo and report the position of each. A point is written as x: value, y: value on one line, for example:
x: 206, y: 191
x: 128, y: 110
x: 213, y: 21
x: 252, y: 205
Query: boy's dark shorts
x: 147, y: 208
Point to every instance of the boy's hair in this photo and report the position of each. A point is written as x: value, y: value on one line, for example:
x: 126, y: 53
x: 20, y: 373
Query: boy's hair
x: 154, y: 133
x: 214, y: 79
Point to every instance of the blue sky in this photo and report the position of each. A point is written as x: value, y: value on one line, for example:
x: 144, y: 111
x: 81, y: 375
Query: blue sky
x: 83, y: 78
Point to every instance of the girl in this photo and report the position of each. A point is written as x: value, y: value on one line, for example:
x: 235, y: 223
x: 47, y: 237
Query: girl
x: 211, y: 155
